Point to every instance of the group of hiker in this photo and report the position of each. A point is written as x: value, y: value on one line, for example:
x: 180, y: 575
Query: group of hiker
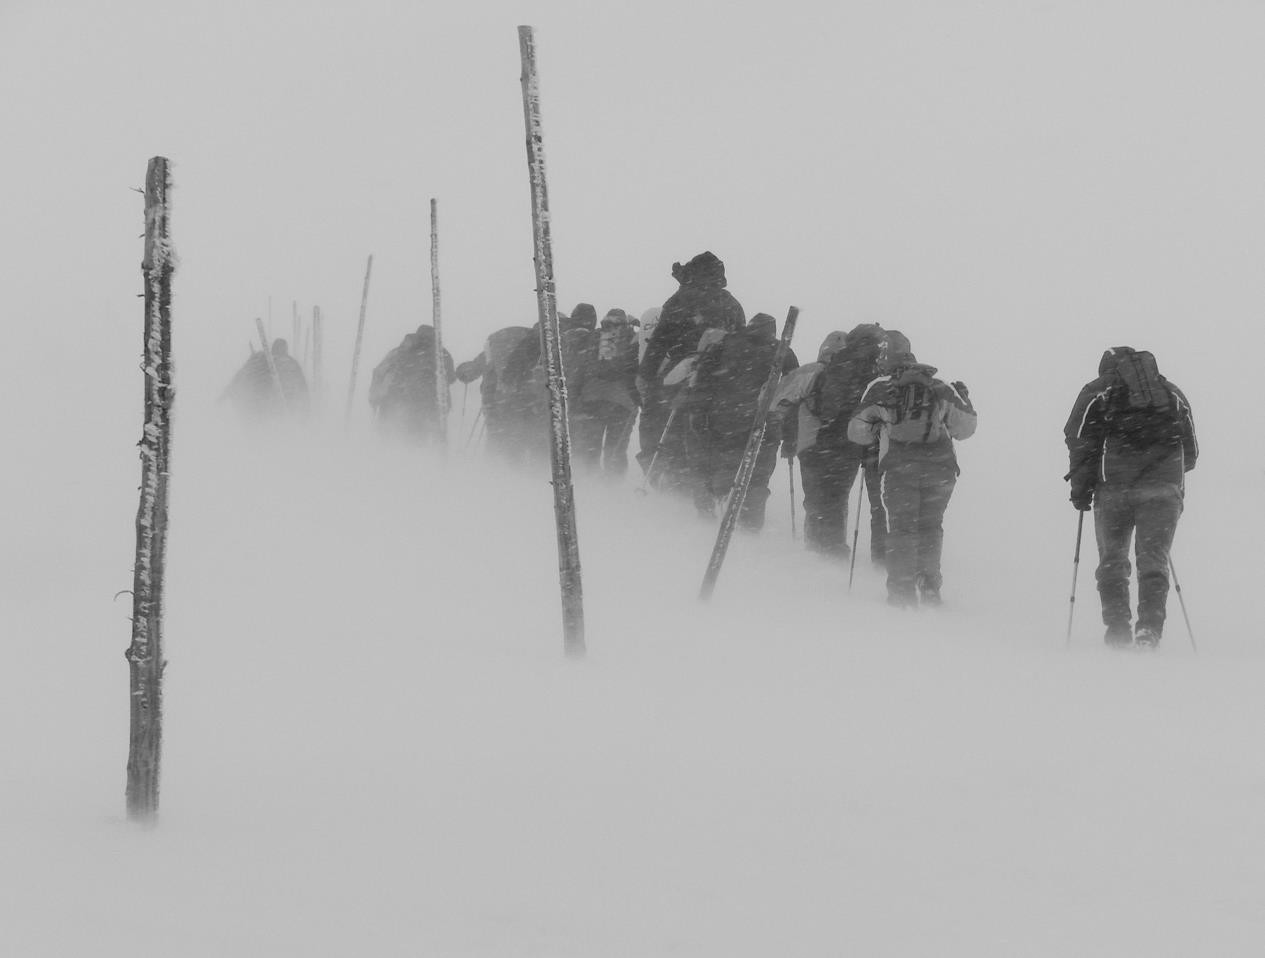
x: 690, y: 377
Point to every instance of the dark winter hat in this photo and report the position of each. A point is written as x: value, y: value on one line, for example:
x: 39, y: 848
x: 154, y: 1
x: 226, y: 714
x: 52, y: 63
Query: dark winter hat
x: 866, y: 334
x: 762, y: 327
x: 280, y: 347
x: 584, y: 316
x: 615, y: 317
x: 831, y: 345
x: 706, y: 269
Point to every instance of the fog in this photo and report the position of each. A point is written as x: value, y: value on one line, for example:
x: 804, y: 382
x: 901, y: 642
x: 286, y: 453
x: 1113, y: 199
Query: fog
x: 374, y: 744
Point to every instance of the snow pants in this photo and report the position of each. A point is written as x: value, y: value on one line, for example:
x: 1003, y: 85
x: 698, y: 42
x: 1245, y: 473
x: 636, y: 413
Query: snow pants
x: 916, y: 495
x: 715, y: 461
x: 1152, y: 512
x: 827, y: 474
x: 600, y: 432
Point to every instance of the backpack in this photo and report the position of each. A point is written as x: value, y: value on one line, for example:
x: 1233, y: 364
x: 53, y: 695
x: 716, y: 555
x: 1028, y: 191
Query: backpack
x: 617, y: 349
x: 730, y: 376
x: 839, y: 387
x: 915, y: 408
x: 1142, y: 411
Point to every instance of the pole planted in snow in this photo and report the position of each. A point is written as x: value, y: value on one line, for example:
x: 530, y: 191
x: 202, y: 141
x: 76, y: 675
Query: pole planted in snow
x: 145, y: 654
x: 441, y: 368
x: 550, y: 349
x: 360, y: 336
x: 318, y: 382
x: 746, y: 467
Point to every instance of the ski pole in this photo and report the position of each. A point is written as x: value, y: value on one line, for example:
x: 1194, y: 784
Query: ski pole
x: 1178, y: 586
x: 465, y: 396
x: 790, y: 469
x: 856, y: 529
x: 1076, y: 565
x: 644, y: 488
x: 478, y: 418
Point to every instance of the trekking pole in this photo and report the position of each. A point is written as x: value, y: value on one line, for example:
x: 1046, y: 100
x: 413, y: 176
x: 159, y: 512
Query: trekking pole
x: 478, y: 417
x: 1076, y: 565
x: 790, y: 469
x: 465, y: 396
x: 856, y: 530
x: 644, y: 488
x: 1178, y: 586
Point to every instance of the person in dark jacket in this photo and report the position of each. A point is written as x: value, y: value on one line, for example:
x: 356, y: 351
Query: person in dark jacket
x: 402, y: 390
x: 823, y: 402
x: 1130, y: 441
x: 605, y: 401
x: 256, y: 393
x: 699, y: 304
x: 722, y: 406
x: 915, y: 418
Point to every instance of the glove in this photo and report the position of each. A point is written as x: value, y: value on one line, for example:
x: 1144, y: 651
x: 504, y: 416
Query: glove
x: 1082, y: 499
x: 788, y: 449
x: 962, y: 390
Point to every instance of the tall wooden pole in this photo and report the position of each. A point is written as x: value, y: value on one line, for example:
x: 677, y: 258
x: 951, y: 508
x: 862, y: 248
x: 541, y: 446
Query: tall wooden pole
x: 318, y: 383
x: 550, y: 349
x: 360, y: 336
x: 441, y: 368
x: 145, y: 654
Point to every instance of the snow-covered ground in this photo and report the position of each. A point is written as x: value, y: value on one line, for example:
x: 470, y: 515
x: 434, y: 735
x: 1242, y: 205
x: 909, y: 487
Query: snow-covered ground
x: 375, y: 745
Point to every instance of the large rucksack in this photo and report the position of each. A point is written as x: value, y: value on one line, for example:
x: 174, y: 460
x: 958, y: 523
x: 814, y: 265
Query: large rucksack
x: 729, y: 377
x: 1142, y: 411
x: 617, y: 347
x: 839, y: 387
x: 917, y: 413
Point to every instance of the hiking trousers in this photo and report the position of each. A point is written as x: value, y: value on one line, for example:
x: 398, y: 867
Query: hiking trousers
x: 600, y: 432
x: 716, y: 460
x: 827, y: 474
x: 916, y: 495
x: 1151, y: 511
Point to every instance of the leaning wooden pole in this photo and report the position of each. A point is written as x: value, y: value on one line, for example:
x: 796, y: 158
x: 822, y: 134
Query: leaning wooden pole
x: 550, y: 348
x: 318, y: 381
x: 145, y: 654
x: 441, y: 368
x: 360, y: 337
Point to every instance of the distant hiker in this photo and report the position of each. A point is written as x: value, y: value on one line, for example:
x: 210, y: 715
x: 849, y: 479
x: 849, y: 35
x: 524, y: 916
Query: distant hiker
x: 254, y: 391
x: 402, y: 391
x: 699, y: 304
x: 505, y: 403
x: 1131, y: 441
x: 818, y: 401
x: 605, y: 403
x: 729, y: 378
x: 649, y: 321
x: 915, y: 418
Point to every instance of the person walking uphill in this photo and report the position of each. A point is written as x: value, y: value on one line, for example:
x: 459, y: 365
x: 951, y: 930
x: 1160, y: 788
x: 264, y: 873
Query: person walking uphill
x: 1130, y: 442
x: 701, y: 303
x: 915, y: 418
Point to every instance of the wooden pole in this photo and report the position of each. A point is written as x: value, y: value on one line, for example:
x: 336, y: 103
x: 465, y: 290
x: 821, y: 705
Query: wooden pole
x: 441, y: 368
x: 746, y: 467
x: 296, y: 345
x: 272, y: 363
x: 318, y: 384
x: 145, y: 654
x: 360, y: 336
x: 550, y: 348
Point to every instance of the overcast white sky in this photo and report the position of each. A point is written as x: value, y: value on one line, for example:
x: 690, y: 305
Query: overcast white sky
x: 1015, y: 184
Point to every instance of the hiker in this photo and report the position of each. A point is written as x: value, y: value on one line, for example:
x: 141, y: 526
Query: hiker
x: 402, y: 389
x: 722, y: 406
x: 700, y: 303
x: 817, y: 402
x: 256, y: 394
x: 915, y: 419
x: 1130, y: 442
x: 503, y: 404
x: 605, y: 402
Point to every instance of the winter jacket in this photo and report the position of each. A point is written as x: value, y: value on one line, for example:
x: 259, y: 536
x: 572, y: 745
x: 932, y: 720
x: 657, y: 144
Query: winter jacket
x: 1100, y: 453
x: 701, y: 303
x: 951, y: 416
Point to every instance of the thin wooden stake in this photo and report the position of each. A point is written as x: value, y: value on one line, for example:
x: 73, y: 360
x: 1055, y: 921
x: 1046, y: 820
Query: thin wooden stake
x: 441, y: 368
x: 550, y: 348
x: 145, y: 654
x: 318, y: 381
x: 360, y: 336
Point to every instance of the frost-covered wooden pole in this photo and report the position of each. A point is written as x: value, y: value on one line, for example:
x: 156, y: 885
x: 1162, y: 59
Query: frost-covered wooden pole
x: 145, y: 654
x: 441, y: 368
x: 550, y: 349
x: 360, y: 336
x: 318, y: 383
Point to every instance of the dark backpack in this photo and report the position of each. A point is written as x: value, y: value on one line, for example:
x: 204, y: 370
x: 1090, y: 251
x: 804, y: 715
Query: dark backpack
x: 730, y: 376
x: 839, y: 387
x: 1142, y: 411
x: 914, y: 419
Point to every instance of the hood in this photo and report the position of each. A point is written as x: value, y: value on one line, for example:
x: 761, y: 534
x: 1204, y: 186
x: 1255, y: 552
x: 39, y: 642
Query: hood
x: 1111, y: 359
x: 614, y: 317
x: 762, y: 328
x: 280, y: 347
x: 831, y: 345
x: 914, y: 372
x: 866, y: 334
x: 584, y: 316
x: 705, y: 269
x: 650, y: 318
